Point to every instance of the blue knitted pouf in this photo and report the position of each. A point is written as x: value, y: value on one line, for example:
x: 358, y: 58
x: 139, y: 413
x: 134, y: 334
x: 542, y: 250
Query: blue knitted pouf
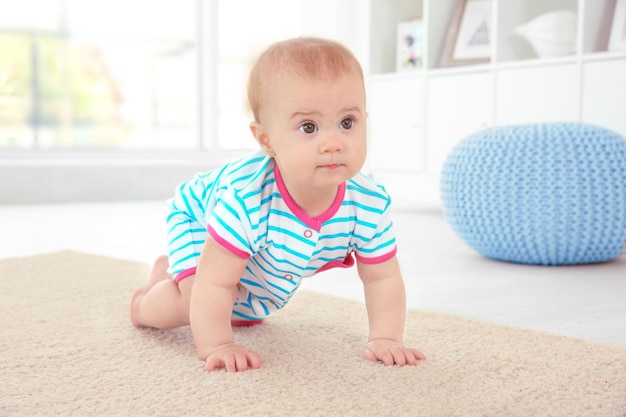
x: 544, y: 194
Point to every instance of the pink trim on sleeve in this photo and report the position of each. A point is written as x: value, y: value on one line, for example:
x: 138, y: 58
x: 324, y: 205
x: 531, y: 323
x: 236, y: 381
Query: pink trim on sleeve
x: 186, y: 273
x: 227, y: 245
x: 377, y: 259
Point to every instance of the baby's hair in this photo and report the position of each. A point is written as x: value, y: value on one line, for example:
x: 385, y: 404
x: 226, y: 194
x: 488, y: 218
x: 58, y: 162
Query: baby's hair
x: 306, y: 57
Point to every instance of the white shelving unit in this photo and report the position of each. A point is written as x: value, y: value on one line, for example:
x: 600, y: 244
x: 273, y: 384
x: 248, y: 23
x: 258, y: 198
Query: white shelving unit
x: 417, y: 117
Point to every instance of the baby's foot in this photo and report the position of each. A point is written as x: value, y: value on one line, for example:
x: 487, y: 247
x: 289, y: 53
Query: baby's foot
x: 158, y: 273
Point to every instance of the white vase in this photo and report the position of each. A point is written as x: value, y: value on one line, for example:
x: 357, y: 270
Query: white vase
x: 551, y: 34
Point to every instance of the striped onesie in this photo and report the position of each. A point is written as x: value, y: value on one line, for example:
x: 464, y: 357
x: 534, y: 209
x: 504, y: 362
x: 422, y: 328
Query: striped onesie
x: 246, y: 208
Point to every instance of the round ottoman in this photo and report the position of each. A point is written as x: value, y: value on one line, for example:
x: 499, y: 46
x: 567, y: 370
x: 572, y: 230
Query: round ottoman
x: 544, y: 194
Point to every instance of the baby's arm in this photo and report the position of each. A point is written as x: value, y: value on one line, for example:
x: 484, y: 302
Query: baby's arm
x: 386, y: 309
x: 212, y: 298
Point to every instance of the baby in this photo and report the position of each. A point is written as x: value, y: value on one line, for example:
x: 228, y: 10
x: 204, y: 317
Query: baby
x: 242, y: 237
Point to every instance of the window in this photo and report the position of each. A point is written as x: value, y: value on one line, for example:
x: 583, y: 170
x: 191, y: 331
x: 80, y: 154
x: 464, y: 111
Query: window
x: 155, y: 75
x: 98, y: 74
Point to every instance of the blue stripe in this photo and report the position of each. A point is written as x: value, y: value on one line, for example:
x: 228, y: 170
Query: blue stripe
x: 377, y: 235
x: 244, y: 162
x: 193, y: 242
x: 285, y: 214
x: 292, y: 235
x: 278, y: 287
x: 250, y: 283
x: 362, y: 206
x: 178, y: 262
x: 185, y: 233
x: 242, y: 178
x: 257, y: 285
x: 231, y: 210
x: 352, y: 219
x: 243, y: 208
x: 269, y: 273
x: 281, y: 260
x: 261, y: 255
x: 382, y: 232
x: 231, y: 231
x: 293, y: 252
x: 330, y: 249
x: 195, y: 198
x: 342, y: 219
x: 190, y: 211
x: 176, y: 212
x: 335, y: 236
x: 359, y: 189
x: 379, y: 247
x: 251, y: 177
x: 266, y: 200
x: 244, y: 316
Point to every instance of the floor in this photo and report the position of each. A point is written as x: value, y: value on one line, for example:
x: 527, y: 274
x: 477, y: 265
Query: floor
x: 440, y: 271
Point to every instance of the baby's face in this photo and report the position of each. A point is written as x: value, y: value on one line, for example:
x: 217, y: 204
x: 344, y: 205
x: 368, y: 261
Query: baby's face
x: 316, y: 130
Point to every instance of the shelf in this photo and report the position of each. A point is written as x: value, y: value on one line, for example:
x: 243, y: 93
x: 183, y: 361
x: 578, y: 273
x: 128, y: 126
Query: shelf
x: 435, y: 107
x: 593, y: 20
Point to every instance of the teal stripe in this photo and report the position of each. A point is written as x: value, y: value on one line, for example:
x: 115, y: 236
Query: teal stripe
x: 335, y: 236
x: 379, y: 247
x: 176, y: 212
x: 279, y: 288
x: 261, y: 256
x: 245, y: 316
x: 281, y: 260
x: 329, y: 249
x: 178, y: 262
x: 382, y: 232
x: 286, y: 214
x: 257, y: 285
x: 362, y: 206
x: 185, y: 233
x: 292, y: 234
x: 231, y: 210
x: 260, y: 190
x: 196, y: 199
x: 231, y: 231
x: 291, y: 251
x: 354, y: 219
x: 359, y: 189
x: 342, y: 220
x: 190, y: 211
x: 276, y: 276
x: 193, y: 242
x: 250, y: 283
x: 245, y: 162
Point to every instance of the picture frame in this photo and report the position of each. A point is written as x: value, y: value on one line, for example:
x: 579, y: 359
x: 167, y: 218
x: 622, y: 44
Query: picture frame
x: 617, y: 39
x: 410, y: 45
x: 469, y: 37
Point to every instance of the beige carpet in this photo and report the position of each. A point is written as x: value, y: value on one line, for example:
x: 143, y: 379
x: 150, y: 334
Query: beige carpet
x: 68, y: 349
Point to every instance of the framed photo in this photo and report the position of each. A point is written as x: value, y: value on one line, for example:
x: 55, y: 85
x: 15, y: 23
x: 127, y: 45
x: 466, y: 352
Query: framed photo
x: 410, y: 45
x: 469, y: 35
x: 617, y: 41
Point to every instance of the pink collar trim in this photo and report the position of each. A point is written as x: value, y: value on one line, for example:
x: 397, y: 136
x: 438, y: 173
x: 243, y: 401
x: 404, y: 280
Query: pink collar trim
x: 313, y: 222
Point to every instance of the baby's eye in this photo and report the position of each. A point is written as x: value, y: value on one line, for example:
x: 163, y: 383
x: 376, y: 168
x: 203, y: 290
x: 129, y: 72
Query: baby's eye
x: 308, y: 127
x: 346, y: 123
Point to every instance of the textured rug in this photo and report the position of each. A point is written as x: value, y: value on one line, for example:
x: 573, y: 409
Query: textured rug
x: 67, y: 348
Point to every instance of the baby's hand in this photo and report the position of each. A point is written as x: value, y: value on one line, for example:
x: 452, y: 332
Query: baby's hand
x: 391, y: 352
x: 233, y: 357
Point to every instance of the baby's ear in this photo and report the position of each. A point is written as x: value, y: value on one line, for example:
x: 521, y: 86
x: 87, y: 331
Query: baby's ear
x: 261, y: 137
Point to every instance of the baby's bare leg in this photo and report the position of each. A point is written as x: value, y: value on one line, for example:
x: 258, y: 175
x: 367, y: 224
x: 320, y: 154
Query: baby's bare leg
x: 161, y: 303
